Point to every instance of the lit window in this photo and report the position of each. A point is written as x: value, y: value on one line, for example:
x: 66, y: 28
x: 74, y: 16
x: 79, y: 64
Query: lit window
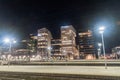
x: 91, y: 46
x: 81, y: 46
x: 39, y: 34
x: 89, y: 35
x: 81, y: 36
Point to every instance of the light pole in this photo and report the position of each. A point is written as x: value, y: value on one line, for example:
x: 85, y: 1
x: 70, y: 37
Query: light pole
x: 7, y: 40
x: 49, y: 52
x: 65, y: 55
x: 101, y: 31
x: 10, y: 41
x: 99, y: 49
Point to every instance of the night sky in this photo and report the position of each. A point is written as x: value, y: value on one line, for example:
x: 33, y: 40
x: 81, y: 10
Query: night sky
x: 19, y: 18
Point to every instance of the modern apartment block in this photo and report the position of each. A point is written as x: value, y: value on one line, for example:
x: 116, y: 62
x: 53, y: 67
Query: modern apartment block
x: 56, y: 49
x: 116, y: 52
x: 32, y: 43
x: 86, y: 45
x: 68, y: 49
x: 44, y: 43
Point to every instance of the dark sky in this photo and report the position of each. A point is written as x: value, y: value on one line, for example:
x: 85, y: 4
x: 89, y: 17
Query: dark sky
x: 19, y: 18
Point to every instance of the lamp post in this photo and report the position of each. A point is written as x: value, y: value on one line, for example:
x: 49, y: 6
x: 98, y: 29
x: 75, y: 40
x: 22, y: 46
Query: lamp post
x: 49, y: 52
x: 101, y: 31
x: 7, y: 40
x: 65, y: 55
x: 99, y: 49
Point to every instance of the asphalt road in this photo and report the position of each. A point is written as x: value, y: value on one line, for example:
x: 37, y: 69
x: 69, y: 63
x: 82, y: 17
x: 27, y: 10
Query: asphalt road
x: 86, y: 70
x: 12, y: 72
x: 34, y: 76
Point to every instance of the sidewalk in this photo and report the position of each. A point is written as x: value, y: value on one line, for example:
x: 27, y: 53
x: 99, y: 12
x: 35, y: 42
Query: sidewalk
x: 79, y: 70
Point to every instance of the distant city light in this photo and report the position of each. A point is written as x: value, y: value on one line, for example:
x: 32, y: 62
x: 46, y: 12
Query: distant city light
x: 99, y: 49
x: 49, y: 48
x: 64, y: 26
x: 39, y: 34
x: 14, y: 41
x: 99, y: 44
x: 33, y: 56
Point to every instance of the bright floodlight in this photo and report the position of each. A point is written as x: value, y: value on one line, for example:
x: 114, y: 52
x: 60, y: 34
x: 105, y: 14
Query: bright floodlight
x: 6, y: 40
x: 99, y: 44
x: 101, y: 29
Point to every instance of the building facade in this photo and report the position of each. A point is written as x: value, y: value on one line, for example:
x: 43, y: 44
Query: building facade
x: 116, y: 52
x: 56, y: 49
x: 86, y: 45
x: 68, y: 42
x: 32, y: 43
x: 44, y: 43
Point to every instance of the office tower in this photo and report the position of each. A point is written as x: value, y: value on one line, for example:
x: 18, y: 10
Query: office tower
x: 68, y: 34
x: 86, y: 45
x: 44, y: 43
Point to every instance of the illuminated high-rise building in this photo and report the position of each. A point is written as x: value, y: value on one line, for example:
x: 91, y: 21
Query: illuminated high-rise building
x: 44, y: 43
x: 32, y: 43
x: 86, y: 44
x: 56, y: 49
x: 68, y: 42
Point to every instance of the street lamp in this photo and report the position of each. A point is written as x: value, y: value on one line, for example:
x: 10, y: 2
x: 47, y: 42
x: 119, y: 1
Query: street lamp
x: 10, y: 41
x: 65, y: 54
x: 99, y: 49
x: 49, y: 52
x: 99, y: 44
x: 7, y: 40
x: 14, y: 41
x: 101, y: 31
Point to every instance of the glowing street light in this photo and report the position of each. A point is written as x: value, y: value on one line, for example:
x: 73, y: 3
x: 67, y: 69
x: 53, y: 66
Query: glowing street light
x: 49, y: 52
x: 49, y: 48
x: 99, y: 49
x: 6, y: 40
x: 10, y: 41
x: 14, y: 41
x: 101, y: 31
x: 99, y: 44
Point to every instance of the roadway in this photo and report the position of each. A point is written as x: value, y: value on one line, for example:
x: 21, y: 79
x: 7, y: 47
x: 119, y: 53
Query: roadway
x: 77, y: 70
